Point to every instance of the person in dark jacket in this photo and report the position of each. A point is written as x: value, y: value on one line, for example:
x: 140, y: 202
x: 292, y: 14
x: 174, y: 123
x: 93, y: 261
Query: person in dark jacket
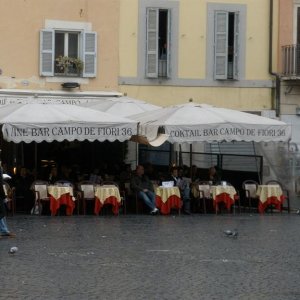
x: 184, y: 188
x: 143, y: 186
x: 3, y: 225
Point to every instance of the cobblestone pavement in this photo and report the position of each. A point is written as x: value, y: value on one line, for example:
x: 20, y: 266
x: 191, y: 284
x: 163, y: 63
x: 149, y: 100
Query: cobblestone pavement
x: 152, y: 257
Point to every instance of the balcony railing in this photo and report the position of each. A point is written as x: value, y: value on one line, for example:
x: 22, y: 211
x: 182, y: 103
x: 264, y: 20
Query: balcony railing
x: 291, y: 61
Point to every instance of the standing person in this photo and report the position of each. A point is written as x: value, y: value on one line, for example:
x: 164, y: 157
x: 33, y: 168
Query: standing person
x: 24, y: 196
x: 3, y: 225
x: 142, y: 185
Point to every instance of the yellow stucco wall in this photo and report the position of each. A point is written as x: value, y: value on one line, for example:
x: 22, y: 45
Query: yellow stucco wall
x: 254, y: 99
x: 193, y: 35
x: 21, y: 22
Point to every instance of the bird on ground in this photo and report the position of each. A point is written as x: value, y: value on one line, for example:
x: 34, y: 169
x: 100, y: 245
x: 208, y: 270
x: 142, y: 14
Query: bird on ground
x: 231, y: 233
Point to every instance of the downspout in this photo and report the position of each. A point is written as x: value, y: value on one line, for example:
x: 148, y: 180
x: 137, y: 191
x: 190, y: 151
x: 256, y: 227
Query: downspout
x: 277, y: 76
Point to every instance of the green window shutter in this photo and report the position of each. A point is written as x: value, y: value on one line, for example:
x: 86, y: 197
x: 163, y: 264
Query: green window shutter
x: 236, y: 46
x: 221, y: 45
x: 47, y: 52
x: 89, y: 54
x: 152, y: 43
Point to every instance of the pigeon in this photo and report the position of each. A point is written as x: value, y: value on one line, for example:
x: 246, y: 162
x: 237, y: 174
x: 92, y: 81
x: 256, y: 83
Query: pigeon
x: 231, y: 233
x: 13, y: 250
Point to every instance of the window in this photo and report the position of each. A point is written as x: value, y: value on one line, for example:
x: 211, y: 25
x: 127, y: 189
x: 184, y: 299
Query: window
x: 226, y: 45
x: 68, y: 53
x: 158, y: 43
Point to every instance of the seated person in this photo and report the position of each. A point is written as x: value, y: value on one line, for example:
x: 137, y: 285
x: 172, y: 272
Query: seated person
x: 184, y: 188
x: 95, y: 176
x: 143, y: 186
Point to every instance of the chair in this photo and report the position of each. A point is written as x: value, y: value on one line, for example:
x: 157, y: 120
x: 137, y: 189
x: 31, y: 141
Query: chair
x: 284, y: 191
x: 204, y: 194
x: 10, y: 199
x: 131, y: 197
x: 86, y: 192
x: 250, y: 187
x: 40, y: 189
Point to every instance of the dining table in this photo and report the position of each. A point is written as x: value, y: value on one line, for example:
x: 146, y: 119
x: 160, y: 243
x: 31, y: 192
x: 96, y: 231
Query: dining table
x: 223, y: 193
x: 168, y: 198
x: 61, y: 195
x: 107, y: 194
x: 269, y: 194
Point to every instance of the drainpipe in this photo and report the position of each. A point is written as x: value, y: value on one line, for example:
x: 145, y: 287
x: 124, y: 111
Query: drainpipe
x: 277, y: 76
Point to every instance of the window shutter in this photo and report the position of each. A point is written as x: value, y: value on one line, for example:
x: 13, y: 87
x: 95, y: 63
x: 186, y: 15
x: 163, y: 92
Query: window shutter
x: 152, y: 43
x: 169, y: 45
x: 89, y: 54
x: 236, y: 46
x: 47, y: 52
x: 221, y: 44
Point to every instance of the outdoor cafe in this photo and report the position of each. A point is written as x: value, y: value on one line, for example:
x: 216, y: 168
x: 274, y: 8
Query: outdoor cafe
x: 52, y: 126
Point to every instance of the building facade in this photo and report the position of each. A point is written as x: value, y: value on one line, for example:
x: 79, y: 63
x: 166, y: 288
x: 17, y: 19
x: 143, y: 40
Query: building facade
x: 53, y: 42
x: 225, y: 53
x: 288, y: 69
x: 59, y: 52
x: 211, y: 51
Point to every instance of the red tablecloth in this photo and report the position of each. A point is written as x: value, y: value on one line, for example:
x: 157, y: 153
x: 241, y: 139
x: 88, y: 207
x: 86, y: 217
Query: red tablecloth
x: 277, y: 202
x: 167, y: 198
x: 225, y: 198
x: 269, y: 194
x: 165, y: 207
x: 65, y: 199
x: 110, y: 200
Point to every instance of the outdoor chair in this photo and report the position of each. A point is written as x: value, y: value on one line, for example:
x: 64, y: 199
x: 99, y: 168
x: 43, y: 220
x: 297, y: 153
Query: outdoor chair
x: 284, y: 191
x: 250, y: 199
x: 204, y: 196
x: 86, y: 193
x: 40, y: 189
x: 132, y: 197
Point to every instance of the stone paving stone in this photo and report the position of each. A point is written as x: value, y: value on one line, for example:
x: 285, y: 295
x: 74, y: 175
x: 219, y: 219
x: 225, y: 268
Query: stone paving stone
x: 146, y: 257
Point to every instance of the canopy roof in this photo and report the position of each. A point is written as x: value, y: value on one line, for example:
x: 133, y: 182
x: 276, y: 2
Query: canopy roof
x: 122, y: 106
x: 194, y: 122
x: 58, y: 122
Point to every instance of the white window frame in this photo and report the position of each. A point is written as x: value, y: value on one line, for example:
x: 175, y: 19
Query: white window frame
x: 221, y: 37
x: 66, y: 41
x: 87, y: 48
x: 295, y: 19
x: 241, y: 9
x: 152, y: 53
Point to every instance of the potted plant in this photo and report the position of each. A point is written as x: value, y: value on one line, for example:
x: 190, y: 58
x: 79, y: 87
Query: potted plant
x: 68, y: 65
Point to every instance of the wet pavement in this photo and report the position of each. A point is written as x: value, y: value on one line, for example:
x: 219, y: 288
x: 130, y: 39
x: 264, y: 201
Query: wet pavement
x: 152, y: 257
